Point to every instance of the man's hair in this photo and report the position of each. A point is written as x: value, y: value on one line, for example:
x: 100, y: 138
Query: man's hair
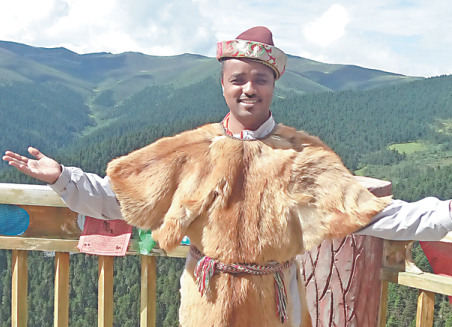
x: 222, y: 67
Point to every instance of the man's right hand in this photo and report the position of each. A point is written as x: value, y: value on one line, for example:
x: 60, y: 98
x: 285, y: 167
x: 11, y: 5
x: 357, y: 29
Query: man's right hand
x: 43, y: 168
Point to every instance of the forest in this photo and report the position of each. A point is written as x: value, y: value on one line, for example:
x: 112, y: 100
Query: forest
x: 359, y: 125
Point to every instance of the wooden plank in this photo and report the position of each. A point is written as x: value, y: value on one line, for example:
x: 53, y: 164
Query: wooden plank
x: 148, y: 291
x: 394, y: 254
x: 19, y: 305
x: 425, y: 309
x: 425, y: 281
x: 25, y: 194
x: 179, y: 252
x: 65, y: 245
x: 447, y: 238
x: 61, y: 301
x: 105, y: 293
x: 38, y: 244
x: 377, y: 187
x: 383, y: 309
x: 51, y: 222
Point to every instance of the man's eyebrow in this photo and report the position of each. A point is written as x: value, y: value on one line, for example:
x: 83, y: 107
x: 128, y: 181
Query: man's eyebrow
x: 262, y: 75
x: 235, y: 75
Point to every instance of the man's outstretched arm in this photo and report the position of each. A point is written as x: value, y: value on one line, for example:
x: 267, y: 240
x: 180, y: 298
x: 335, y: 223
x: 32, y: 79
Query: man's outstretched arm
x: 428, y: 219
x: 85, y: 193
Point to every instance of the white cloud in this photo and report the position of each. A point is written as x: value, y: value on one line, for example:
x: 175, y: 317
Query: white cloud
x: 24, y: 20
x: 329, y: 27
x: 170, y: 27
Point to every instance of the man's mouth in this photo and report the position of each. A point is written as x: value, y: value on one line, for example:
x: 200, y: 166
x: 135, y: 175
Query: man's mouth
x: 248, y: 101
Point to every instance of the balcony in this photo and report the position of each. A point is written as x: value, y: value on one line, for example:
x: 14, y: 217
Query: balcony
x: 53, y: 227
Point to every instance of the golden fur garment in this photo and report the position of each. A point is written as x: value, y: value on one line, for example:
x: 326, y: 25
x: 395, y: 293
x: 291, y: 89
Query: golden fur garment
x: 239, y: 202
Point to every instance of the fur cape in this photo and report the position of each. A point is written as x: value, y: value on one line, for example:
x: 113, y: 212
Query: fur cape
x: 240, y: 201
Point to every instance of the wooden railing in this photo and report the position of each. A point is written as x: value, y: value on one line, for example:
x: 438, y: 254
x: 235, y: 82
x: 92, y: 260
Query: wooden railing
x: 398, y: 268
x: 53, y: 227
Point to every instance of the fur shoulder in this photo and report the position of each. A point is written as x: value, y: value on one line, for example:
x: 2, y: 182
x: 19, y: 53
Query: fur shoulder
x: 166, y: 148
x: 330, y: 202
x: 151, y: 183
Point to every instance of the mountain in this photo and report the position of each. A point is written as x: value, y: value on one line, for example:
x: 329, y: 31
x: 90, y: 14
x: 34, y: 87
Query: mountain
x: 51, y: 97
x: 129, y: 72
x: 334, y: 77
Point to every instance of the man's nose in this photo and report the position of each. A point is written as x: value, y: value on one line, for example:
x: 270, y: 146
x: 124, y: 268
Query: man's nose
x: 248, y: 88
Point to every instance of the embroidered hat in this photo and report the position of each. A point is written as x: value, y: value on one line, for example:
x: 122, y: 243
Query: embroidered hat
x: 257, y: 44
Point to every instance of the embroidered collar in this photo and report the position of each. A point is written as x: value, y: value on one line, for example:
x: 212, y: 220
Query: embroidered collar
x: 263, y: 131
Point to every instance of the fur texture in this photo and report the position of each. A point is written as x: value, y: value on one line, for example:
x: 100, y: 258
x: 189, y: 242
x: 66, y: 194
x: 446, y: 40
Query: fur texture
x: 240, y: 202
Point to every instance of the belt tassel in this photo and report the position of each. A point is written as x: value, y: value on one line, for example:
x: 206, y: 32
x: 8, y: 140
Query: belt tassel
x: 281, y: 297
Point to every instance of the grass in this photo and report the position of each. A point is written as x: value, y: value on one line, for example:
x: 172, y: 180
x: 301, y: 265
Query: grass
x: 409, y: 148
x: 420, y: 155
x: 361, y: 172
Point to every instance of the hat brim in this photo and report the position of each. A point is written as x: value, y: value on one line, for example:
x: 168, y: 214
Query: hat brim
x: 267, y: 54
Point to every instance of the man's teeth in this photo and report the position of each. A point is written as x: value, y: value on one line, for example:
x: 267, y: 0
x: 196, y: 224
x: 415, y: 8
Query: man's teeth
x: 249, y: 101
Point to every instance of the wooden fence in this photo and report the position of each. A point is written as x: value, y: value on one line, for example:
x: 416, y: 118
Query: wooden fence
x: 53, y: 227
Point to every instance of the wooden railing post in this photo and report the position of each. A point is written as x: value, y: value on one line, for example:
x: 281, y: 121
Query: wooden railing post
x: 425, y: 308
x: 19, y: 305
x: 383, y: 309
x: 61, y: 301
x: 148, y: 291
x: 105, y: 296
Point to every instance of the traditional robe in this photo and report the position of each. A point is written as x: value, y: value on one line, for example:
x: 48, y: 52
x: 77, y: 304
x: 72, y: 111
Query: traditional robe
x: 239, y: 201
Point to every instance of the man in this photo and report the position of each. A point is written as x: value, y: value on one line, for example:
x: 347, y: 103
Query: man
x: 249, y: 193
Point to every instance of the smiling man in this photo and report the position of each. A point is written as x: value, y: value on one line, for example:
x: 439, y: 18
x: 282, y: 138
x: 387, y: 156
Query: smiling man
x: 249, y: 193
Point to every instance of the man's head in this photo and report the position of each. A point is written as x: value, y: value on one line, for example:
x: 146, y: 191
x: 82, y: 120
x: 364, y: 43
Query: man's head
x: 250, y: 66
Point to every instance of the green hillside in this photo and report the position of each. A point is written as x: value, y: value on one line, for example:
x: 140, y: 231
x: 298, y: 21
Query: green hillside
x: 105, y: 85
x: 335, y: 77
x: 34, y: 113
x: 128, y: 73
x: 64, y: 97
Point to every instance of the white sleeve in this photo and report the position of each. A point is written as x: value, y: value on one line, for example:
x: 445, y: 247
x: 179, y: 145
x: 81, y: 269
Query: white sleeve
x: 426, y: 220
x: 88, y: 194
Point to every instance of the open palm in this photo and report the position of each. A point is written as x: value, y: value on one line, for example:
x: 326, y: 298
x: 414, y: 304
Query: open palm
x: 43, y: 168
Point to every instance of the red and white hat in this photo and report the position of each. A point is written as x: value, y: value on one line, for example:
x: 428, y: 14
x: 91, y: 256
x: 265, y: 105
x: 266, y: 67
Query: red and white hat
x: 257, y: 44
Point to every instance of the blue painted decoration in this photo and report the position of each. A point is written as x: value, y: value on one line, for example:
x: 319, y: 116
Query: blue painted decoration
x: 13, y: 220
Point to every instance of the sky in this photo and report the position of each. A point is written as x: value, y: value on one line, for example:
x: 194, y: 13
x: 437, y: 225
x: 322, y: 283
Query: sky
x: 409, y: 37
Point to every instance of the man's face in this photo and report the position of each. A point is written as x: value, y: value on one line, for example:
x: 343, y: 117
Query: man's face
x: 248, y: 90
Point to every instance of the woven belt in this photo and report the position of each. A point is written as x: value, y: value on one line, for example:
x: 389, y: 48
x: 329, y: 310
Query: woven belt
x: 206, y: 268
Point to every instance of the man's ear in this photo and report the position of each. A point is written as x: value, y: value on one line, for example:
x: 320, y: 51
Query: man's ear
x: 222, y: 86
